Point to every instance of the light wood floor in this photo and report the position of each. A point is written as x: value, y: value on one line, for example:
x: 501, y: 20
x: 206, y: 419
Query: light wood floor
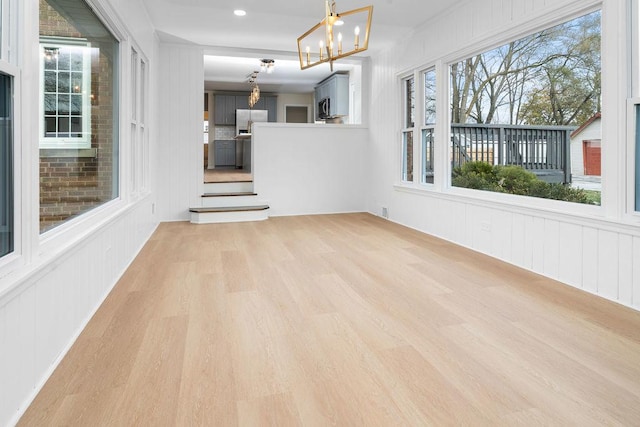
x: 341, y: 320
x: 227, y: 175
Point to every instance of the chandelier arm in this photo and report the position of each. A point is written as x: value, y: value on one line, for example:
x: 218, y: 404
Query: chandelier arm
x: 326, y: 53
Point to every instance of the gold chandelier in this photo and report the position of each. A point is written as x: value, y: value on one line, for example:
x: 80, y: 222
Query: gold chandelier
x: 254, y: 95
x: 318, y: 45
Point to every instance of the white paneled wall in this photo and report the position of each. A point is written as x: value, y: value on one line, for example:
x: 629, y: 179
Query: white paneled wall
x: 43, y: 315
x: 598, y: 250
x: 180, y: 171
x: 304, y: 169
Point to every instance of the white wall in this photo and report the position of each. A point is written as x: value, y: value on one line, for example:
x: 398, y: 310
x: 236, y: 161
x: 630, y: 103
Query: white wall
x: 61, y: 278
x: 592, y: 248
x: 180, y: 169
x: 310, y: 169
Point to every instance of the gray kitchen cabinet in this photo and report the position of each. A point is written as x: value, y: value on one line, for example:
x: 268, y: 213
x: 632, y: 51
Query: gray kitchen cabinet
x: 225, y: 110
x: 225, y: 107
x: 336, y: 88
x: 271, y: 105
x: 242, y: 102
x: 225, y: 153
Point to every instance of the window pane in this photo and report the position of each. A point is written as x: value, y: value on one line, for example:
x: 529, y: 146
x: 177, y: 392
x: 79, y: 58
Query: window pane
x: 79, y: 159
x: 50, y: 104
x: 63, y: 82
x: 134, y: 84
x: 430, y: 97
x: 50, y: 81
x: 429, y: 122
x: 64, y: 60
x: 6, y: 166
x: 50, y: 125
x: 143, y: 90
x: 76, y: 61
x: 1, y: 25
x: 526, y: 115
x: 638, y: 158
x: 410, y: 103
x: 63, y: 105
x: 77, y: 83
x: 407, y: 156
x: 427, y: 156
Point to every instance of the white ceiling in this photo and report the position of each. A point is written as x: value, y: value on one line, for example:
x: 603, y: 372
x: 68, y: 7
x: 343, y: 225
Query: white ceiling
x: 270, y: 30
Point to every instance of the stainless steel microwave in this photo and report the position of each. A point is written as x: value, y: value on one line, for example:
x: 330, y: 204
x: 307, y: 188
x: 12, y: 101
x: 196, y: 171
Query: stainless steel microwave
x: 324, y: 108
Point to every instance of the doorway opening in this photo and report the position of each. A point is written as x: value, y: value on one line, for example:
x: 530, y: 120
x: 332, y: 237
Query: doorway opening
x: 296, y: 114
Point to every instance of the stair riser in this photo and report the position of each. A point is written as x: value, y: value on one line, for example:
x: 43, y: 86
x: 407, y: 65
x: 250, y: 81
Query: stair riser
x: 221, y: 217
x: 228, y: 187
x: 224, y: 201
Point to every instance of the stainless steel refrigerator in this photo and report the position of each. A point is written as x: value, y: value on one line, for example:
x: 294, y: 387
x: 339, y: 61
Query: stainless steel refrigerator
x: 244, y: 120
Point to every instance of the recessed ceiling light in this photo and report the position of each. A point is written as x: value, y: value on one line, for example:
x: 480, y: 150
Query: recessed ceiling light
x: 239, y: 12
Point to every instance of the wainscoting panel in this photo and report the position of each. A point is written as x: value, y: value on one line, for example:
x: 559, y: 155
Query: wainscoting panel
x: 635, y: 255
x: 551, y: 250
x: 625, y: 269
x: 590, y: 255
x: 608, y: 277
x: 570, y: 257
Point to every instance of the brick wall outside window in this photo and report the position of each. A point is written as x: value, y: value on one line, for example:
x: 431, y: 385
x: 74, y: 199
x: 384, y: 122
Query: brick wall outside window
x: 70, y: 186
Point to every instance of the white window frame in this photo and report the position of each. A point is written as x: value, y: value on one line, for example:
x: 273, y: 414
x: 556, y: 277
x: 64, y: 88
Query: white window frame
x: 9, y: 11
x: 8, y: 30
x: 67, y: 142
x: 423, y: 125
x: 406, y: 130
x: 138, y: 137
x: 633, y: 146
x: 633, y: 158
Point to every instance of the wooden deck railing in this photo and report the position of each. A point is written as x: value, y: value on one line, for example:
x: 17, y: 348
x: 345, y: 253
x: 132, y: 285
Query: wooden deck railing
x: 543, y: 150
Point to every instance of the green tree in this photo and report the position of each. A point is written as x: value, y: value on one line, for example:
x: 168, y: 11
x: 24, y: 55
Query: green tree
x: 550, y: 77
x: 568, y: 92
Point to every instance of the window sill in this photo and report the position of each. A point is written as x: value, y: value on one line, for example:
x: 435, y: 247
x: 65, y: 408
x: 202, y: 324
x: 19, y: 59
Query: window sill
x: 69, y: 153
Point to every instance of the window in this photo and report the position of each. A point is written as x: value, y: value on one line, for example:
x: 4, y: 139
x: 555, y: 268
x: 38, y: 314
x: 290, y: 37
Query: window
x: 139, y: 148
x: 429, y: 80
x: 637, y: 160
x: 9, y: 204
x: 144, y: 140
x: 65, y: 108
x: 634, y: 163
x: 79, y: 92
x: 526, y: 115
x: 6, y: 165
x: 409, y: 113
x: 9, y: 33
